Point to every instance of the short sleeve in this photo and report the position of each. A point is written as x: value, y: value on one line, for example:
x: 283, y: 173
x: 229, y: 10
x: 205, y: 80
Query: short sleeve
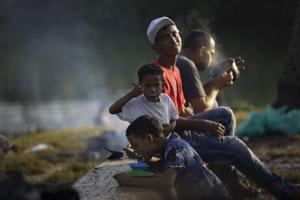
x: 191, y: 81
x: 174, y: 114
x: 174, y: 156
x: 171, y: 107
x: 128, y: 112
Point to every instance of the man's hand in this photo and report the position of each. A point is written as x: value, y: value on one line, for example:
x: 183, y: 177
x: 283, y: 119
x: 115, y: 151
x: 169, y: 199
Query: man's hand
x: 214, y: 128
x: 240, y: 63
x: 223, y: 80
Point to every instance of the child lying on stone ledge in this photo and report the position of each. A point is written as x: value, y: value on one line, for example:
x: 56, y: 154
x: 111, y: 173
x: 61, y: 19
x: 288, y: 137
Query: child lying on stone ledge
x: 185, y: 176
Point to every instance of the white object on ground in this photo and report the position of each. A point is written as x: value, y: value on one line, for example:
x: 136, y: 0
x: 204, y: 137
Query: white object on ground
x: 38, y: 147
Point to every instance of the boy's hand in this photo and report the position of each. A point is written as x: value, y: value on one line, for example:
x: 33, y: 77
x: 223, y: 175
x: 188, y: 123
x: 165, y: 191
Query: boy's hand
x: 168, y: 128
x: 130, y: 153
x: 214, y: 128
x: 123, y: 179
x: 137, y: 90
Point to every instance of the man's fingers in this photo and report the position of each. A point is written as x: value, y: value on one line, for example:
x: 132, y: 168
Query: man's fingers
x: 222, y: 129
x: 220, y: 133
x: 241, y: 67
x: 240, y: 62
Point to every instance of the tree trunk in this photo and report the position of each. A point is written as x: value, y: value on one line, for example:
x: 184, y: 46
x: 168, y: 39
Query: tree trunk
x: 289, y: 82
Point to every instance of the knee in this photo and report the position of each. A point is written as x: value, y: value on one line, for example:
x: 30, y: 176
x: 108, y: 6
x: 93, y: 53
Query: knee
x: 226, y: 111
x: 227, y: 114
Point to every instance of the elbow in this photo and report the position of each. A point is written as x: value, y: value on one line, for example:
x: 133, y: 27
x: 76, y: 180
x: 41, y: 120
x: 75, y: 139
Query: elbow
x: 111, y: 110
x: 165, y: 185
x: 200, y: 105
x: 202, y: 109
x: 205, y: 106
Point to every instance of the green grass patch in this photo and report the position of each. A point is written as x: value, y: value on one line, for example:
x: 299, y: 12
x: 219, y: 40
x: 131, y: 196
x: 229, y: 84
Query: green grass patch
x: 74, y: 169
x: 57, y: 140
x: 61, y: 162
x: 27, y: 163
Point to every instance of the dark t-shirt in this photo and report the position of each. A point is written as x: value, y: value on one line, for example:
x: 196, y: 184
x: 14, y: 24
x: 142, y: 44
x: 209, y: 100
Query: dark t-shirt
x: 194, y: 180
x: 191, y: 81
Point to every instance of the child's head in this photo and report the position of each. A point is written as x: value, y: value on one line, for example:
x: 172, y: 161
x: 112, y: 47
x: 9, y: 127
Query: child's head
x: 143, y: 132
x: 164, y: 36
x: 151, y: 79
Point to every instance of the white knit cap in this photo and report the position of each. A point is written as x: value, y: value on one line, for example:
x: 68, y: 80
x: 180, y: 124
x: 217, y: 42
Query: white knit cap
x: 156, y: 25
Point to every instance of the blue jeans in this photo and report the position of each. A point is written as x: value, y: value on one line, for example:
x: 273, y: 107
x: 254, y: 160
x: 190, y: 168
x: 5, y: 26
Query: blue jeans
x: 232, y: 151
x: 223, y: 115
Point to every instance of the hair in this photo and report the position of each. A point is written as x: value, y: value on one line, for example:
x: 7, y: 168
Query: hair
x: 144, y: 125
x: 149, y: 69
x: 196, y: 39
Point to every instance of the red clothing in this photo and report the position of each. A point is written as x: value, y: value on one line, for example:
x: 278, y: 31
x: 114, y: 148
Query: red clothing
x: 173, y: 85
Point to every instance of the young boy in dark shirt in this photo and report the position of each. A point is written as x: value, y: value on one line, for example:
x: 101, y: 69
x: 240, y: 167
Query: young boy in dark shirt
x: 185, y: 175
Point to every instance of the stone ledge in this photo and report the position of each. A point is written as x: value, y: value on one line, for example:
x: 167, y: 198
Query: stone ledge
x: 99, y: 184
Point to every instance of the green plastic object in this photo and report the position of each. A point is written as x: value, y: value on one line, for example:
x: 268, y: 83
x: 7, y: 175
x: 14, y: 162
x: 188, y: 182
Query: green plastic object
x: 282, y: 120
x: 139, y: 173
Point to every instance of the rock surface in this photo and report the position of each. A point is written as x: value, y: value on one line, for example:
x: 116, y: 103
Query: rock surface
x: 99, y: 184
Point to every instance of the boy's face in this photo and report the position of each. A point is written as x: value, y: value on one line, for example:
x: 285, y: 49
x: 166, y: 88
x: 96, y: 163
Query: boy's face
x: 152, y: 87
x: 168, y: 41
x: 142, y: 145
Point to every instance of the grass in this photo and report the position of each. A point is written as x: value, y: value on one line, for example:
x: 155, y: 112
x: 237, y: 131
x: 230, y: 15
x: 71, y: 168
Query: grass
x: 61, y: 162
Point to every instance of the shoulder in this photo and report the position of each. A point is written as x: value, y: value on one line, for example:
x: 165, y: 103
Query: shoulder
x: 187, y: 67
x: 183, y: 62
x: 167, y: 100
x: 165, y: 97
x: 175, y: 143
x: 136, y: 100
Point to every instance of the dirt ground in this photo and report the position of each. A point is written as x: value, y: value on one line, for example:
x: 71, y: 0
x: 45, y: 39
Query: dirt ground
x: 281, y: 154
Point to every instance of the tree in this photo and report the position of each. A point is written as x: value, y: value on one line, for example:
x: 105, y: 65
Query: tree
x: 289, y: 82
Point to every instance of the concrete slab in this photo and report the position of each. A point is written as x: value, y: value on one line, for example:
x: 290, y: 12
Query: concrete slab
x: 99, y: 184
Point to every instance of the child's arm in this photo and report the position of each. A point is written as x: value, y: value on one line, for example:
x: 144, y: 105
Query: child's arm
x: 200, y: 125
x: 117, y: 106
x: 164, y: 181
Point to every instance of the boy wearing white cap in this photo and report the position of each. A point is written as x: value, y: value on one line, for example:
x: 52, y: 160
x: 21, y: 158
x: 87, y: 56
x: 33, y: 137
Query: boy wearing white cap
x: 165, y: 39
